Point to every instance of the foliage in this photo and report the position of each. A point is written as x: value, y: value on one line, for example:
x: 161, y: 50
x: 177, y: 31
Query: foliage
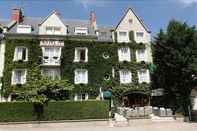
x: 131, y: 36
x: 61, y: 110
x: 98, y: 67
x: 115, y: 36
x: 175, y: 55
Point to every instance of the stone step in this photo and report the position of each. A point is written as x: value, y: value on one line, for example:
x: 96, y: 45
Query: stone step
x: 159, y: 119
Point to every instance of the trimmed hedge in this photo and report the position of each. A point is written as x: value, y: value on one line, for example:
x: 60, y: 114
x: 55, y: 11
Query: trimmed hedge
x: 21, y: 111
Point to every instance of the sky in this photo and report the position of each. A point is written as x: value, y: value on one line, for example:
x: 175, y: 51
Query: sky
x: 155, y: 13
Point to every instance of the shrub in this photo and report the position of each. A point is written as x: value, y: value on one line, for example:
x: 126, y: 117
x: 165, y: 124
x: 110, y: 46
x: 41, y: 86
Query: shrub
x: 61, y: 110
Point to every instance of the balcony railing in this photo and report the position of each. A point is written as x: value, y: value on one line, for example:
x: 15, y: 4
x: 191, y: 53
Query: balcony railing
x: 51, y: 61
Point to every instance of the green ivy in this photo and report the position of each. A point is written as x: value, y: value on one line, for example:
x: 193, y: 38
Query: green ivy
x: 131, y: 36
x: 98, y: 66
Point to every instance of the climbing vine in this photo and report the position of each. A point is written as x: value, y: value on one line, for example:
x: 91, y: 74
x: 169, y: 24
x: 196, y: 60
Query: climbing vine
x: 99, y: 66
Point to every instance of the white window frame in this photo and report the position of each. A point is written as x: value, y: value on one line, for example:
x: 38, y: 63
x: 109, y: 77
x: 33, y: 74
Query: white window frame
x: 122, y: 38
x: 55, y: 73
x: 24, y: 29
x: 53, y: 54
x: 145, y: 78
x: 78, y: 97
x: 23, y: 81
x: 81, y: 31
x: 139, y: 57
x: 77, y: 54
x: 140, y: 35
x: 53, y: 30
x: 79, y: 78
x: 125, y: 79
x: 16, y: 57
x: 122, y: 56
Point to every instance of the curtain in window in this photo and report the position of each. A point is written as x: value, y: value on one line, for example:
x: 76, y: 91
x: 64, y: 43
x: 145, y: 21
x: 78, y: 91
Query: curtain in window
x: 124, y: 54
x: 125, y: 76
x: 141, y: 55
x: 19, y: 53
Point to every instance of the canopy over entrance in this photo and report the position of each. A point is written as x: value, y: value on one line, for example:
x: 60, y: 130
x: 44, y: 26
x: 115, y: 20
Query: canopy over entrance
x: 136, y: 99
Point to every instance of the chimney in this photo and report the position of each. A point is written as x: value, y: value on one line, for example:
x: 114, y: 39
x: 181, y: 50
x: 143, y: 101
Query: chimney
x: 93, y: 20
x: 17, y: 15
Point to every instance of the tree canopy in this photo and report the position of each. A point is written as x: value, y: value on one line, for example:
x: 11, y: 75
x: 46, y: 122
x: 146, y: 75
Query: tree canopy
x: 175, y: 56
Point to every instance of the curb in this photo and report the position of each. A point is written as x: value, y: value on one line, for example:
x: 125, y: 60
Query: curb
x: 55, y: 121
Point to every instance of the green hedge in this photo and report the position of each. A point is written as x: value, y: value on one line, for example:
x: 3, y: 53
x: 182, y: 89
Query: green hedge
x: 20, y: 111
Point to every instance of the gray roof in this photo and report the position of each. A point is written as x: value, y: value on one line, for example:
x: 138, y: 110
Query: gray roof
x: 71, y: 23
x: 105, y: 33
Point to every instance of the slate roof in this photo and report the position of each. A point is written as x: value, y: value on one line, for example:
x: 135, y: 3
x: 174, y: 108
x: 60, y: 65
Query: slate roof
x: 71, y: 23
x: 105, y: 33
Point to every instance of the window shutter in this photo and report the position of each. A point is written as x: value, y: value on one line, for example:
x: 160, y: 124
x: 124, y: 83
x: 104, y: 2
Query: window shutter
x: 24, y: 53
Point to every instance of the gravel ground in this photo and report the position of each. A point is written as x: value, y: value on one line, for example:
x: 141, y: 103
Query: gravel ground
x: 102, y: 126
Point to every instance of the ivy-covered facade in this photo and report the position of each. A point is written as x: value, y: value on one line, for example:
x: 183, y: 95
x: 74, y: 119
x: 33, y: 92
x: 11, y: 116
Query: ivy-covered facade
x: 93, y: 64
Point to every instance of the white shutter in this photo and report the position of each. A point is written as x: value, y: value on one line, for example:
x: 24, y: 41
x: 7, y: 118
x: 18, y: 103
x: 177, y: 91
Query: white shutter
x: 77, y: 77
x: 86, y: 76
x: 86, y: 96
x: 19, y: 53
x: 23, y: 77
x: 119, y: 54
x: 75, y: 97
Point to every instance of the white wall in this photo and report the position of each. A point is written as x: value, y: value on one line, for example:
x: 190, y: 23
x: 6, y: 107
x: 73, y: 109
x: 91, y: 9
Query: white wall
x: 53, y: 20
x: 135, y: 26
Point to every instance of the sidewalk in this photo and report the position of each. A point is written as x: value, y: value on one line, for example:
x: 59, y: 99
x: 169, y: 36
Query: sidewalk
x: 102, y: 125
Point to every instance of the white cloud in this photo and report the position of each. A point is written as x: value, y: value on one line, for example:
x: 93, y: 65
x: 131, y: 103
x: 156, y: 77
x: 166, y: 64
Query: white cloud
x: 87, y: 3
x: 188, y: 2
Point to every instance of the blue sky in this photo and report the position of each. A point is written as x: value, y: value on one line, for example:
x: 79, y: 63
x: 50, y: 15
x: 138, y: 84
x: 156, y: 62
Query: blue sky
x: 155, y: 13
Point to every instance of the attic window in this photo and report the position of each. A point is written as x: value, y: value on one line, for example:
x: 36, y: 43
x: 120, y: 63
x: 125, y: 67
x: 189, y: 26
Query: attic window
x: 81, y: 31
x: 130, y: 21
x: 24, y: 29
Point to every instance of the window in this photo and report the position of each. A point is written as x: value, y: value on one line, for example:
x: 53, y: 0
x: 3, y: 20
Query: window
x: 52, y: 30
x: 124, y: 54
x: 53, y: 73
x: 24, y: 29
x: 130, y: 21
x: 143, y: 76
x: 81, y: 55
x: 104, y: 34
x: 81, y: 76
x: 83, y: 96
x: 51, y: 55
x: 20, y: 54
x: 19, y: 76
x: 141, y: 55
x: 125, y: 76
x: 122, y: 34
x: 140, y: 34
x: 81, y: 31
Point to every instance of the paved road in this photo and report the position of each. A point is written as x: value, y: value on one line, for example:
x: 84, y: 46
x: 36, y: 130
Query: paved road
x: 102, y: 126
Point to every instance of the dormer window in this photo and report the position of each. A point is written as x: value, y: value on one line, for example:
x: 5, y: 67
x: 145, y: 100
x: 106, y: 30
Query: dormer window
x: 130, y: 21
x: 24, y: 29
x: 53, y: 30
x: 81, y: 31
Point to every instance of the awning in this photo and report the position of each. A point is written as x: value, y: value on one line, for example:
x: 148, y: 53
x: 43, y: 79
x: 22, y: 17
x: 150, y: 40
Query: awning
x: 136, y: 92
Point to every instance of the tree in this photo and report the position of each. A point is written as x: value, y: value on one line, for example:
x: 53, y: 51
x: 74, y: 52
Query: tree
x: 175, y: 56
x: 40, y: 89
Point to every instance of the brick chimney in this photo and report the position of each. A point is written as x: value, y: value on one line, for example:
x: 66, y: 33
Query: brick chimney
x: 17, y: 15
x: 93, y: 20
